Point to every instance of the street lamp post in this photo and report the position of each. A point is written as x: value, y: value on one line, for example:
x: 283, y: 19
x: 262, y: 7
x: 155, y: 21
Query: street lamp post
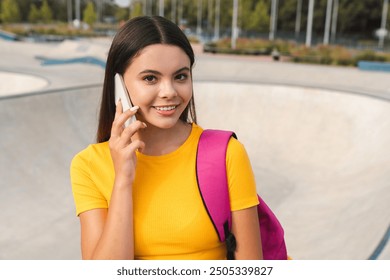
x: 217, y: 19
x: 383, y: 32
x: 274, y: 19
x: 234, y: 24
x: 144, y: 8
x: 309, y: 23
x: 327, y: 21
x: 334, y: 20
x: 77, y: 13
x: 161, y: 8
x: 98, y: 4
x: 150, y: 7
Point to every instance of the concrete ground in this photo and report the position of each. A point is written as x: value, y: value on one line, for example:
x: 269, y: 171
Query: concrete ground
x: 317, y: 137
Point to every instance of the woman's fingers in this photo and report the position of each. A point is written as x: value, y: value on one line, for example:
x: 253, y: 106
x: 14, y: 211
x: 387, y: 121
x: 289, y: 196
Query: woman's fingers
x: 121, y: 135
x: 136, y: 145
x: 129, y: 131
x: 120, y: 119
x: 122, y: 148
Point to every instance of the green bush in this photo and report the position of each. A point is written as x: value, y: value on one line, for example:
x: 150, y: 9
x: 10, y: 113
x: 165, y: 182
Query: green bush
x: 342, y: 56
x: 47, y: 29
x: 250, y: 46
x: 369, y: 55
x: 330, y: 55
x: 321, y: 54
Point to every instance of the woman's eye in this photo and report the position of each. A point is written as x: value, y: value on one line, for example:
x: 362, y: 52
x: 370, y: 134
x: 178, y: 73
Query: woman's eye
x: 181, y: 77
x: 150, y: 79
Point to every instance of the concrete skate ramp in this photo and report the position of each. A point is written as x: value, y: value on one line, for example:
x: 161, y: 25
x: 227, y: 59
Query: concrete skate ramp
x: 70, y: 51
x: 39, y: 136
x: 321, y: 161
x: 15, y: 83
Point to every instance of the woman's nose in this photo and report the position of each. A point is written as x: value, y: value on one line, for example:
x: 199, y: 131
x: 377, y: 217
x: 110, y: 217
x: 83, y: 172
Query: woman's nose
x: 167, y: 90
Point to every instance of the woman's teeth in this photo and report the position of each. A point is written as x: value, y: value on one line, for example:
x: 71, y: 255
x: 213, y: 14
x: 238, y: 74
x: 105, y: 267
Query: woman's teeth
x: 168, y: 108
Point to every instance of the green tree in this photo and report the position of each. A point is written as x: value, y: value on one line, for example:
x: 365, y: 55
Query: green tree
x: 122, y: 14
x: 226, y: 15
x: 287, y: 14
x: 45, y: 12
x: 190, y: 9
x: 59, y: 9
x: 89, y: 14
x: 34, y: 14
x: 9, y: 11
x: 260, y: 17
x: 245, y: 10
x: 136, y: 10
x: 254, y: 16
x: 359, y: 17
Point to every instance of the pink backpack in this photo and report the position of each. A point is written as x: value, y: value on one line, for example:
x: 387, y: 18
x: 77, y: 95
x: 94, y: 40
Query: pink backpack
x: 212, y: 181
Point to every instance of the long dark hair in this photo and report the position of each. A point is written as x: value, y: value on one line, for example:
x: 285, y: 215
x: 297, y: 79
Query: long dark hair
x: 131, y: 38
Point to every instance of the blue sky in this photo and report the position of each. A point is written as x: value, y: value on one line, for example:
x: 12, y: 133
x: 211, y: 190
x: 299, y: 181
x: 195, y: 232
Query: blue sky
x: 122, y: 2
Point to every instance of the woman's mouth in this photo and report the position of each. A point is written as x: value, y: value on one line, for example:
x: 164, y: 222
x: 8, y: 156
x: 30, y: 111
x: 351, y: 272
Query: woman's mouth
x: 165, y: 108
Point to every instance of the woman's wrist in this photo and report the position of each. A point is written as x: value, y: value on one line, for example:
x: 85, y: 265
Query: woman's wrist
x: 123, y: 183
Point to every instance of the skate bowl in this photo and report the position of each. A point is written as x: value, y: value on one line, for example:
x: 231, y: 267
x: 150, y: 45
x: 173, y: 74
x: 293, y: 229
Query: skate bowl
x: 16, y: 83
x: 320, y: 157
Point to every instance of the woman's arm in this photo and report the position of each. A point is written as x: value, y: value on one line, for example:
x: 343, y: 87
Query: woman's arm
x: 108, y: 234
x: 246, y: 229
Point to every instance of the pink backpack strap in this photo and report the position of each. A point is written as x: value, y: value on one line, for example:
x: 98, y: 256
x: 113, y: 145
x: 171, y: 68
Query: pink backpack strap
x: 213, y: 186
x: 212, y: 178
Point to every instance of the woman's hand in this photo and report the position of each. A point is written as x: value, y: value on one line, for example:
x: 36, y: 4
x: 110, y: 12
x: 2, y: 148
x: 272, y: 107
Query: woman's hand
x: 123, y: 145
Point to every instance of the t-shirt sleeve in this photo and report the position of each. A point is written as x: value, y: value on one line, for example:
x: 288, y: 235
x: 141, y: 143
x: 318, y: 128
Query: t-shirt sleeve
x: 241, y: 180
x: 85, y: 193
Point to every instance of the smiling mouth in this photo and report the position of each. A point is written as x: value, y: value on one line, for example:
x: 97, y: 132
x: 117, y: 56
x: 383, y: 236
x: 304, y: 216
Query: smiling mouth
x: 165, y: 108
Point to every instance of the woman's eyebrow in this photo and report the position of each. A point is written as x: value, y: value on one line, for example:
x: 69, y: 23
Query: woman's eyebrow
x: 182, y: 69
x: 150, y: 71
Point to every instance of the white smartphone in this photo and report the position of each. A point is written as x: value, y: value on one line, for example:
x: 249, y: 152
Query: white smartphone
x: 122, y: 94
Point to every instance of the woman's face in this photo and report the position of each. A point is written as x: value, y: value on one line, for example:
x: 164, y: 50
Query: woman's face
x: 159, y: 82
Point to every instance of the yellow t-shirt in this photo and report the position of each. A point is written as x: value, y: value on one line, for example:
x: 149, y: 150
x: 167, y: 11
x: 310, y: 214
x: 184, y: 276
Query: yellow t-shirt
x: 170, y: 220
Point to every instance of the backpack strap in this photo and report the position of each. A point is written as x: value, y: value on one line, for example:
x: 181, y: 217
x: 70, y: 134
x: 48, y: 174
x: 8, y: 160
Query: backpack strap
x: 213, y: 187
x: 212, y: 182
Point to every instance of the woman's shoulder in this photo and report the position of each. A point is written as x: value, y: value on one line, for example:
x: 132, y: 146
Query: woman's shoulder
x: 235, y: 145
x: 236, y: 150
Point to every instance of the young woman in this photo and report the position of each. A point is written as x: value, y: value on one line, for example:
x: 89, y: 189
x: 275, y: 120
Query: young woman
x: 135, y: 190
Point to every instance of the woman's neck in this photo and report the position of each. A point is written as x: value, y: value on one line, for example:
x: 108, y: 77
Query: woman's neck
x: 160, y: 141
